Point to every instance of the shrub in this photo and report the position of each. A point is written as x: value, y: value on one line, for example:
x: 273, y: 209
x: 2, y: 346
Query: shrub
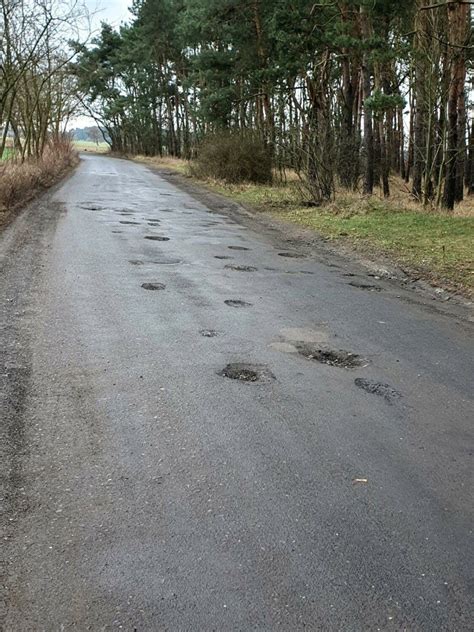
x: 19, y: 181
x: 234, y: 157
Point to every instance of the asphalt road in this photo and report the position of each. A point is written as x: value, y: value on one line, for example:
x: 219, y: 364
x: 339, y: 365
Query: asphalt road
x: 145, y: 490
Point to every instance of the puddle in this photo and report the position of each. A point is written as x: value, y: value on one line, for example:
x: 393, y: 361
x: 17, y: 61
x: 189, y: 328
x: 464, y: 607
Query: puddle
x: 240, y: 268
x: 246, y: 372
x: 237, y: 303
x: 166, y: 194
x: 378, y: 388
x: 366, y: 286
x: 238, y: 248
x: 343, y: 359
x: 157, y: 238
x: 136, y: 262
x: 130, y: 223
x: 153, y: 286
x: 209, y: 333
x: 222, y: 257
x: 154, y: 223
x: 117, y: 232
x: 291, y: 255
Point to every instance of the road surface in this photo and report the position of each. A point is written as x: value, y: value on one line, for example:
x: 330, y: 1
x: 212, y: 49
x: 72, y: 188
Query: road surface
x: 146, y: 489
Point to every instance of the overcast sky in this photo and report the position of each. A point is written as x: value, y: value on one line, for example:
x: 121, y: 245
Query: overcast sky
x: 112, y: 11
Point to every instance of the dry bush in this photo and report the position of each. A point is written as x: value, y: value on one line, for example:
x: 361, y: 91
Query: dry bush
x: 234, y: 157
x: 19, y: 181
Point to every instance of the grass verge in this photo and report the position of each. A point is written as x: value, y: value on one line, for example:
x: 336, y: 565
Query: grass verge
x: 430, y: 244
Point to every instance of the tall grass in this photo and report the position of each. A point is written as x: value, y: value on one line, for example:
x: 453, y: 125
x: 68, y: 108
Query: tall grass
x: 20, y: 181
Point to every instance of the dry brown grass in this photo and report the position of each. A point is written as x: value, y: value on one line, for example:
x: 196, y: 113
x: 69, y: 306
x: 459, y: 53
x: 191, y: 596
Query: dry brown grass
x: 20, y: 181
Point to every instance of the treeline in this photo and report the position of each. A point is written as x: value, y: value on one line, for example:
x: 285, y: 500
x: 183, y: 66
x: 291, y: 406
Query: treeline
x: 37, y: 92
x: 345, y: 93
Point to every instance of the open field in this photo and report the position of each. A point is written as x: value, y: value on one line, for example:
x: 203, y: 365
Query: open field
x: 435, y: 245
x: 91, y: 146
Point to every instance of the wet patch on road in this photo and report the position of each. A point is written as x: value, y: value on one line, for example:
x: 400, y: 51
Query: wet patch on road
x: 240, y: 268
x: 237, y: 303
x: 340, y: 358
x: 238, y: 248
x: 157, y: 238
x: 244, y: 372
x: 378, y: 388
x: 153, y: 286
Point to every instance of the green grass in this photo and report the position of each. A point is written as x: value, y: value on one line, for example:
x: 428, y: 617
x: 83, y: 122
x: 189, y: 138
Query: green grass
x: 8, y: 153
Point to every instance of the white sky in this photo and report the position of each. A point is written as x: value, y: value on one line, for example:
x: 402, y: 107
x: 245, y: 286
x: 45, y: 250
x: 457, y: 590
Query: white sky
x: 112, y: 11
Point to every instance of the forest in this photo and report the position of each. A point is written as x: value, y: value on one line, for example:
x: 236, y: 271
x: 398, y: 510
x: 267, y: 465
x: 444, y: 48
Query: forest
x: 344, y: 93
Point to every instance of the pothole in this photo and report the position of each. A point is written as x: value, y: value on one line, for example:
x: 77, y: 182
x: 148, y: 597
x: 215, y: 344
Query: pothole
x: 209, y: 333
x: 91, y: 207
x: 378, y: 388
x: 366, y: 286
x: 130, y: 223
x: 153, y: 286
x: 291, y: 255
x: 157, y: 238
x: 240, y: 268
x: 342, y: 359
x: 117, y: 232
x: 166, y: 194
x: 224, y: 257
x: 246, y: 372
x: 238, y: 248
x: 167, y: 262
x: 136, y: 262
x: 237, y: 303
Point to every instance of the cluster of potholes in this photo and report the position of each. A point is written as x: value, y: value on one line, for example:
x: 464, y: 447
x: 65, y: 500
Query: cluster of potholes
x: 248, y: 372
